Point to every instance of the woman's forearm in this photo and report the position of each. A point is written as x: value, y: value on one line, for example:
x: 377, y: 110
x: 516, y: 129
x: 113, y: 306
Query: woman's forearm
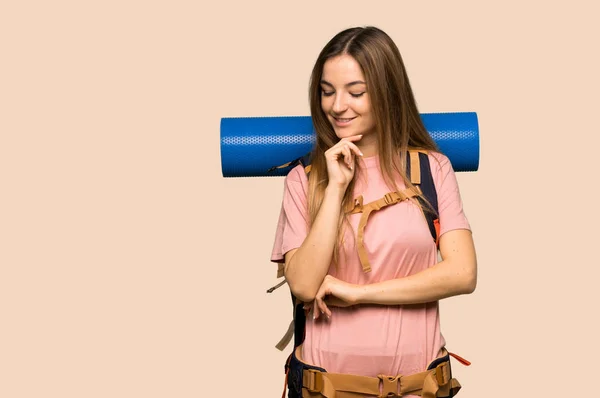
x: 455, y: 275
x: 435, y: 283
x: 309, y: 264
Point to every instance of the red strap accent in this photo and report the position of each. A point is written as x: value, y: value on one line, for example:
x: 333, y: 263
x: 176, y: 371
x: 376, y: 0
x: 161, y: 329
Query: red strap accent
x: 436, y: 224
x: 460, y: 359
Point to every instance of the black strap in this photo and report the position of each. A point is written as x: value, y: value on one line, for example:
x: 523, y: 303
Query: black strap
x: 299, y: 322
x: 428, y: 188
x: 304, y: 160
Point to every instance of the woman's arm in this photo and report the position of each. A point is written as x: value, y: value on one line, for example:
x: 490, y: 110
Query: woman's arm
x: 306, y: 267
x: 456, y: 274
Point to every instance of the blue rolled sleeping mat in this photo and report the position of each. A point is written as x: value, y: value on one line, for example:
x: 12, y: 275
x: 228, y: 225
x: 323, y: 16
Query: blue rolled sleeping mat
x: 254, y: 146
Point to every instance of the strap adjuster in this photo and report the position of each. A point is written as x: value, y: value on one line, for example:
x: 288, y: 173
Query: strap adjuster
x: 391, y: 198
x: 388, y: 199
x: 314, y: 382
x: 390, y: 385
x: 442, y: 374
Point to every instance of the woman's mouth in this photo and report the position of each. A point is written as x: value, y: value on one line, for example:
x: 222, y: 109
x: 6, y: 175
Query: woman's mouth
x: 341, y: 122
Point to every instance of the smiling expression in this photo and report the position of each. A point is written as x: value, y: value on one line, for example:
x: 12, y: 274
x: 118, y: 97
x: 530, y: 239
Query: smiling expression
x: 344, y: 97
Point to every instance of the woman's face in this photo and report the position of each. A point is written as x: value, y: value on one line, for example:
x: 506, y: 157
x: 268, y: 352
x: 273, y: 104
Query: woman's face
x: 344, y: 98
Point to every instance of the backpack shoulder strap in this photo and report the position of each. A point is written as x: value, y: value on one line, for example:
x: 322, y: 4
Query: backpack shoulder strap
x: 419, y: 170
x: 304, y: 160
x: 296, y: 328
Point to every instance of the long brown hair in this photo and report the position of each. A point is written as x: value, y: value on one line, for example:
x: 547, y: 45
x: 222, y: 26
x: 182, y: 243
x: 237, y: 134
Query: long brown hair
x: 398, y: 123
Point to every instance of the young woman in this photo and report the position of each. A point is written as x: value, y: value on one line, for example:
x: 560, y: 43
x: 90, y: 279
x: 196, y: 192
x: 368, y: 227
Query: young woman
x: 372, y: 296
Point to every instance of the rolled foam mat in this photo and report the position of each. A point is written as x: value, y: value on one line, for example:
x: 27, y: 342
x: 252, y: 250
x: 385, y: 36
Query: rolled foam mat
x: 252, y: 146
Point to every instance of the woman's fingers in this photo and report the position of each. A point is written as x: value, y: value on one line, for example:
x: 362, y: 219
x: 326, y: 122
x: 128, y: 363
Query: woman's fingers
x: 320, y: 307
x: 323, y: 308
x: 347, y: 156
x: 338, y: 148
x: 353, y: 138
x: 350, y: 142
x: 351, y: 147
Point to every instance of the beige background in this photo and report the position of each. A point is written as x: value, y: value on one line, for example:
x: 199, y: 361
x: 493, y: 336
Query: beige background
x: 131, y: 268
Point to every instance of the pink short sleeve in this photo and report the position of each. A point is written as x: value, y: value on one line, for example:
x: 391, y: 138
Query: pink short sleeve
x: 292, y: 226
x: 450, y: 205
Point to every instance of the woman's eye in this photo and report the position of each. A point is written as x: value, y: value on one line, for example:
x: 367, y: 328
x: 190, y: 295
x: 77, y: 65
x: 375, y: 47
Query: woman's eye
x: 330, y: 93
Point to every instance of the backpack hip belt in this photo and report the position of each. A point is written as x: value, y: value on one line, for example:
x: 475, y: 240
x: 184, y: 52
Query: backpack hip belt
x: 432, y: 383
x: 429, y: 384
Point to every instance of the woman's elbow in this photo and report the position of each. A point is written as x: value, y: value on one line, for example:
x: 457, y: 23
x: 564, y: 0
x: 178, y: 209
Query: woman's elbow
x: 470, y: 286
x: 302, y: 293
x: 469, y: 283
x: 299, y: 288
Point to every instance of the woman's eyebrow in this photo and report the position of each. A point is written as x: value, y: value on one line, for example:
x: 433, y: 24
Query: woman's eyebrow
x: 325, y: 82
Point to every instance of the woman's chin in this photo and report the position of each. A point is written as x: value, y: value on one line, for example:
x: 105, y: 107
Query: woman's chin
x: 345, y: 133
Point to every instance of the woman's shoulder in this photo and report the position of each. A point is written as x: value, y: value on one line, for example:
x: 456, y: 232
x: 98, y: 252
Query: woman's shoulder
x: 440, y: 166
x: 438, y: 160
x: 442, y: 171
x: 297, y: 177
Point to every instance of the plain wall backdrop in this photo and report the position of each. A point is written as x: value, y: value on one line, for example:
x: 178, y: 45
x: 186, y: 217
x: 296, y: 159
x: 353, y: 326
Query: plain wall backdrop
x: 131, y: 268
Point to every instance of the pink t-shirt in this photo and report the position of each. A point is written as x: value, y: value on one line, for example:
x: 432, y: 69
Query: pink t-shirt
x: 371, y: 339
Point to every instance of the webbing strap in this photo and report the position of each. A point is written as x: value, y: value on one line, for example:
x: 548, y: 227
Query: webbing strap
x: 415, y: 167
x: 388, y: 199
x: 287, y: 337
x: 426, y: 384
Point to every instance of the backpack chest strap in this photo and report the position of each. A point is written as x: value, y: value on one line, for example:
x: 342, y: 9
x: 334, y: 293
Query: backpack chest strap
x: 388, y: 199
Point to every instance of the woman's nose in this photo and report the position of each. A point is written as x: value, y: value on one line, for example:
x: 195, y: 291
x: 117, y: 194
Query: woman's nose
x: 339, y: 104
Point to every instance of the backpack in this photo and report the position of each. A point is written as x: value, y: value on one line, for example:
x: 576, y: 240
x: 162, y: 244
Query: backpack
x: 419, y: 170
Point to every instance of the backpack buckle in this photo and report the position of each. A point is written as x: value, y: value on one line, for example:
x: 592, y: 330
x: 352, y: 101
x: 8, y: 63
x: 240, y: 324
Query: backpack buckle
x: 388, y: 198
x: 390, y: 385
